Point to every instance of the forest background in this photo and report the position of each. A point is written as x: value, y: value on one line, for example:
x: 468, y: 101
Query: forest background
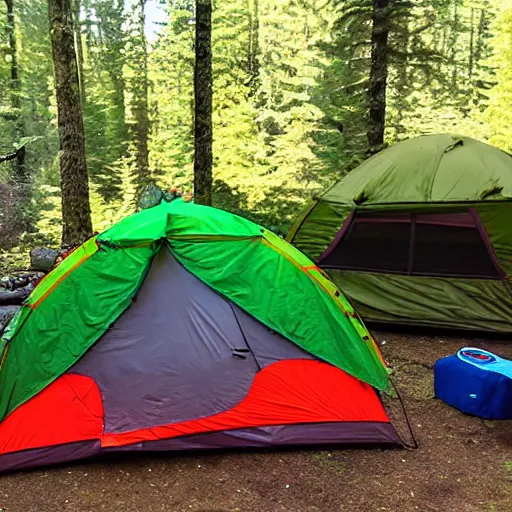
x: 292, y: 97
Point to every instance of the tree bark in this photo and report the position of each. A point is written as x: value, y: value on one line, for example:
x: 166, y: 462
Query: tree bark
x: 402, y: 86
x: 203, y: 157
x: 471, y: 46
x: 378, y: 74
x: 140, y: 105
x: 254, y: 45
x: 79, y: 51
x: 76, y: 210
x: 443, y: 49
x: 20, y: 178
x: 13, y: 53
x: 479, y: 40
x: 455, y: 29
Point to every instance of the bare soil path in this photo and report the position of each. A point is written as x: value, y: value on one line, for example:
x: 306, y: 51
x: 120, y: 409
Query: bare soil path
x: 462, y: 464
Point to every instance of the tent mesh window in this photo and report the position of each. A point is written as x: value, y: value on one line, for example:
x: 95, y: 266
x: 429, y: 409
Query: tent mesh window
x: 448, y: 245
x: 374, y: 244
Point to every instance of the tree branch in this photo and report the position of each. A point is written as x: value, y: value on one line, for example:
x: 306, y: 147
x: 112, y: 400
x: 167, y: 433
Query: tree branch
x: 363, y: 82
x: 20, y: 150
x: 12, y: 156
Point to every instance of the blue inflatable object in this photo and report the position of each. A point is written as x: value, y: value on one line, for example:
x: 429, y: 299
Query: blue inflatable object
x: 475, y: 382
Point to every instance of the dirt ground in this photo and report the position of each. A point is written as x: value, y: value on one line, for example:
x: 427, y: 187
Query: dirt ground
x: 462, y: 463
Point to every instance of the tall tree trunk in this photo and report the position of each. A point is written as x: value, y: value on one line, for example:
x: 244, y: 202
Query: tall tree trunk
x: 140, y: 105
x: 254, y: 45
x: 79, y: 51
x: 13, y: 54
x: 471, y: 46
x: 443, y: 51
x: 402, y: 87
x: 479, y: 39
x: 88, y: 25
x: 20, y: 177
x: 455, y: 29
x: 378, y: 74
x: 203, y: 104
x: 76, y: 210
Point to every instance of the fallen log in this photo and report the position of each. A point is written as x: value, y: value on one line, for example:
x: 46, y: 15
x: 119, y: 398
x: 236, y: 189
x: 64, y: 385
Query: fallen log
x: 15, y: 297
x: 17, y: 286
x: 13, y: 282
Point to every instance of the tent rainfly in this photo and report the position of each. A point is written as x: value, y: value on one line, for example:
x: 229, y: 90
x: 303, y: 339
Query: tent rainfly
x: 419, y: 234
x: 185, y: 327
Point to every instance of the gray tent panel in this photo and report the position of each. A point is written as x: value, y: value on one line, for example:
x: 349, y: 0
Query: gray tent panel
x: 169, y: 358
x: 178, y: 353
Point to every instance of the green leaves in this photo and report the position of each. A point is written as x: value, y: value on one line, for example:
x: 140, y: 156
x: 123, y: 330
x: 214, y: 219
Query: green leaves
x: 26, y: 140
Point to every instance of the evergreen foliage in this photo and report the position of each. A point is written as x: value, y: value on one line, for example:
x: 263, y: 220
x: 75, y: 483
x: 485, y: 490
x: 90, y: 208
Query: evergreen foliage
x: 290, y: 97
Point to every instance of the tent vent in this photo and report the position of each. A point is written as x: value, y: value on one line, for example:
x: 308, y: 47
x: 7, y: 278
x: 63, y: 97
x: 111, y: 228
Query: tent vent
x: 459, y: 142
x: 360, y: 199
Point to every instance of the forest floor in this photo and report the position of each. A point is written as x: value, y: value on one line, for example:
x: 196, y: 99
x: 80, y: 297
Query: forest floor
x: 462, y: 464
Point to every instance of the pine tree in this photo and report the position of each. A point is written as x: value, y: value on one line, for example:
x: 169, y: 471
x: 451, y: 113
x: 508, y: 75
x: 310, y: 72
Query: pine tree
x: 171, y: 66
x: 20, y: 177
x: 76, y: 212
x: 139, y: 90
x: 203, y: 159
x: 499, y: 114
x: 110, y: 15
x: 79, y: 50
x: 253, y: 50
x: 378, y: 74
x: 110, y: 96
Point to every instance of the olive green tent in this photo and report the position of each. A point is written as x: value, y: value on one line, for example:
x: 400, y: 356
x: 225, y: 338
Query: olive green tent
x: 420, y: 234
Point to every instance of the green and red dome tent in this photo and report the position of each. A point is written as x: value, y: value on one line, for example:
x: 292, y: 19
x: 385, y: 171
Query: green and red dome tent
x: 186, y: 327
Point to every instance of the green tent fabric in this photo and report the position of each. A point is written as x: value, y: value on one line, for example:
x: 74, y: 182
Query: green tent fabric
x: 246, y: 263
x: 431, y: 180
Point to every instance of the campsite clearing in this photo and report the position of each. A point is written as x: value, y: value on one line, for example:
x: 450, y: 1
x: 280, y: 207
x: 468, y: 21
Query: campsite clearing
x: 463, y: 464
